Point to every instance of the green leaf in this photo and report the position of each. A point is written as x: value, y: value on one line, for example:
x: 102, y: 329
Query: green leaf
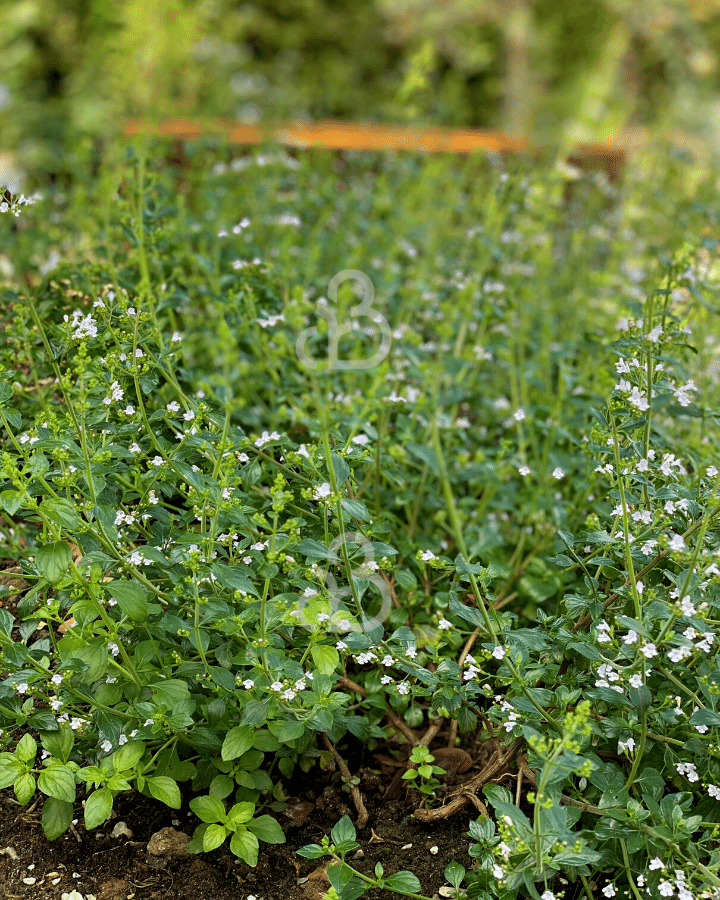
x: 405, y: 881
x: 56, y: 817
x: 58, y: 743
x: 267, y: 829
x: 245, y: 845
x: 24, y: 788
x: 287, y: 730
x: 26, y: 749
x: 131, y: 597
x: 650, y: 781
x: 343, y: 831
x: 311, y: 851
x: 208, y: 809
x: 127, y: 756
x: 341, y: 469
x: 6, y: 391
x: 355, y: 509
x: 325, y: 657
x: 237, y: 741
x: 468, y: 613
x: 62, y: 513
x: 705, y: 717
x: 165, y: 789
x: 314, y: 549
x: 10, y: 501
x: 426, y: 455
x: 170, y: 691
x: 463, y: 567
x: 58, y: 781
x: 214, y: 837
x: 98, y: 807
x: 10, y: 769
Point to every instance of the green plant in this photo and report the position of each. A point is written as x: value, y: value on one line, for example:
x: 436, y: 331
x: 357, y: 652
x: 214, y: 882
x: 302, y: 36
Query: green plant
x: 423, y: 777
x: 226, y: 556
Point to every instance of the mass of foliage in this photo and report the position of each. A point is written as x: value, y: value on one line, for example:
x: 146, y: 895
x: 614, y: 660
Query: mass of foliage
x: 234, y: 559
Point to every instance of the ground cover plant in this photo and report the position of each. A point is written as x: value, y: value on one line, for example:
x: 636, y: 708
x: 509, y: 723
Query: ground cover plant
x: 237, y: 558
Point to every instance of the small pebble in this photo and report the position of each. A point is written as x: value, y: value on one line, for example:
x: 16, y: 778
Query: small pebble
x: 434, y: 851
x: 406, y: 847
x: 29, y: 880
x: 359, y: 855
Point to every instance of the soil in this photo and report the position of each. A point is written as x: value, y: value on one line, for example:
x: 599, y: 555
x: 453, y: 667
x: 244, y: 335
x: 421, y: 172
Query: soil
x: 120, y: 868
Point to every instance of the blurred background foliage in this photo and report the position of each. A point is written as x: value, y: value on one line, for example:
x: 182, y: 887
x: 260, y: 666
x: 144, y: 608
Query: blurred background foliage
x: 552, y: 70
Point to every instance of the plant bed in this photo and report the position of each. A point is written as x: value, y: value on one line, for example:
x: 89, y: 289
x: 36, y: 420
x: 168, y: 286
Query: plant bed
x: 257, y: 546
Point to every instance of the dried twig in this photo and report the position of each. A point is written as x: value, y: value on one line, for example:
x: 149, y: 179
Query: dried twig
x: 462, y: 795
x: 354, y: 792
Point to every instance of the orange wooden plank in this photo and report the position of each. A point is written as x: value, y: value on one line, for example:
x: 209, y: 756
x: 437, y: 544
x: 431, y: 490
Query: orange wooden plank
x: 353, y: 136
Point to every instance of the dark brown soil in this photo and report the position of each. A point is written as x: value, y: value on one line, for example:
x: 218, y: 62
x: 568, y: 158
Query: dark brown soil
x: 119, y: 868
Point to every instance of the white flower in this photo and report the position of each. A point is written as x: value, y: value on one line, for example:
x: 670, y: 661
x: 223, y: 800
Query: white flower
x: 498, y: 652
x: 665, y: 889
x: 174, y: 406
x: 266, y: 437
x: 443, y: 624
x: 630, y: 638
x: 519, y: 414
x: 656, y: 863
x: 276, y: 686
x: 649, y: 650
x: 628, y: 745
x: 524, y: 470
x: 609, y: 890
x: 248, y: 684
x: 189, y: 415
x: 324, y: 490
x: 427, y: 555
x: 711, y: 472
x: 676, y: 542
x: 686, y: 605
x: 714, y: 791
x: 498, y: 873
x: 558, y: 473
x: 403, y: 688
x: 176, y: 336
x: 106, y: 746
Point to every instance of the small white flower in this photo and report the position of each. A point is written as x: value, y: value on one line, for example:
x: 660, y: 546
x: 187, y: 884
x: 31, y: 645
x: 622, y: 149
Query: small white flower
x: 427, y: 555
x: 248, y: 684
x: 558, y: 473
x: 498, y: 652
x: 106, y: 746
x: 609, y: 890
x: 524, y: 470
x: 324, y: 490
x: 443, y: 624
x: 404, y: 688
x: 656, y: 863
x: 649, y: 650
